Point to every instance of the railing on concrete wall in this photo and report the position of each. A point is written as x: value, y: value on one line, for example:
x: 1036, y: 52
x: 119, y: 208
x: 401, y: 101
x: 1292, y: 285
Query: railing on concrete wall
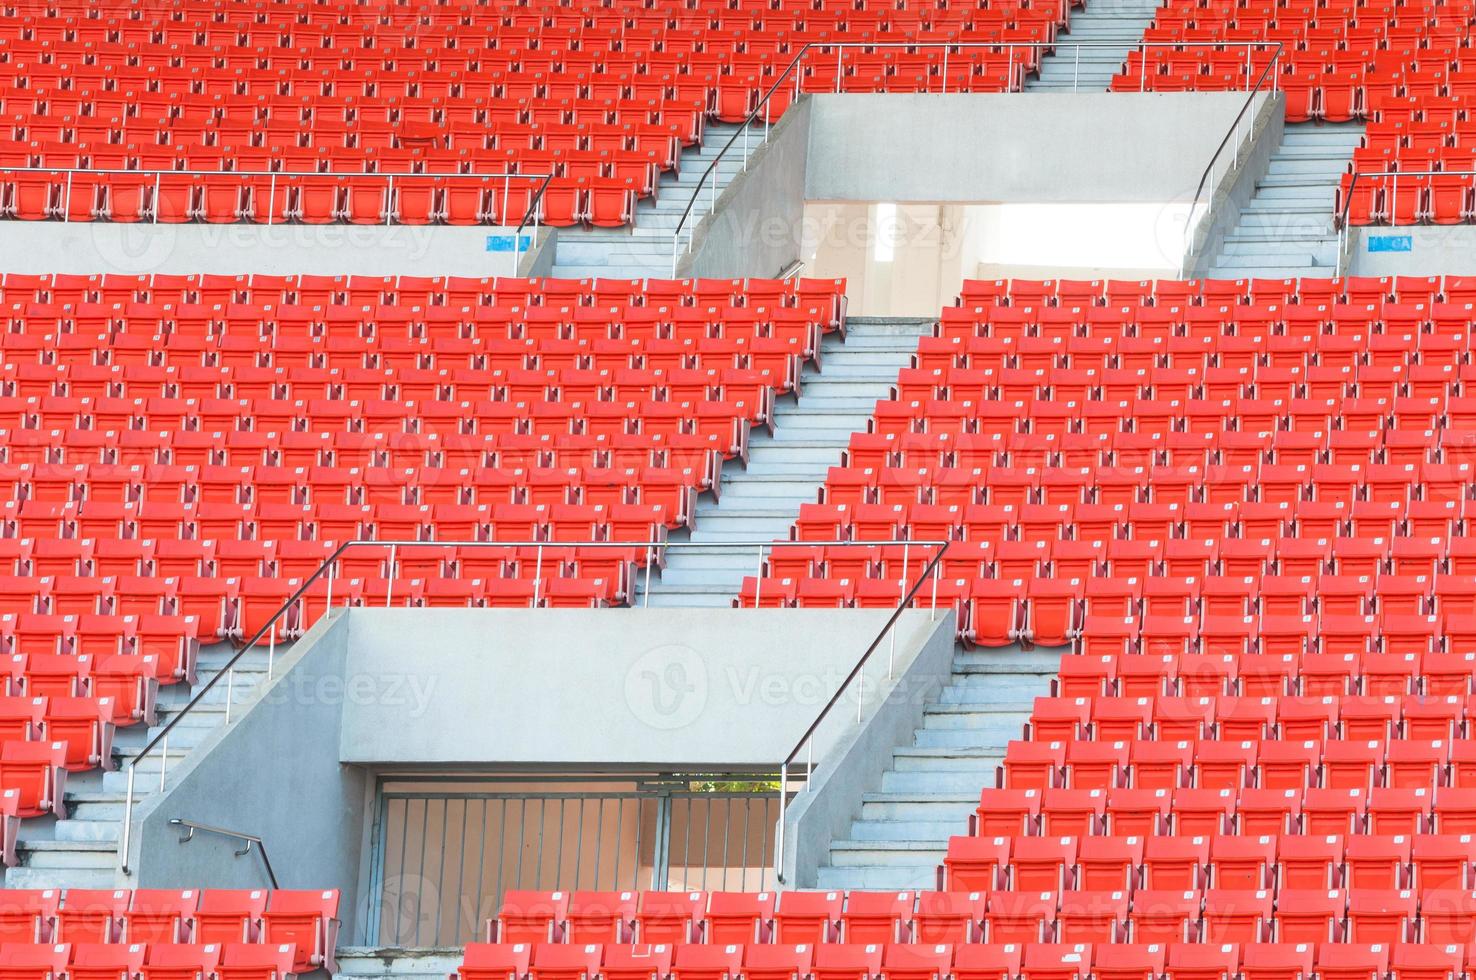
x: 275, y: 628
x: 792, y: 74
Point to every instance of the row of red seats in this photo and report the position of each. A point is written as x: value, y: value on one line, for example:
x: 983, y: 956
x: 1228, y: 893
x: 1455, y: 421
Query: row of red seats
x: 1022, y: 320
x: 271, y: 322
x: 213, y: 289
x: 1032, y: 960
x: 152, y: 920
x: 1193, y: 292
x: 1194, y: 354
x: 1210, y: 764
x: 148, y: 961
x: 1119, y: 701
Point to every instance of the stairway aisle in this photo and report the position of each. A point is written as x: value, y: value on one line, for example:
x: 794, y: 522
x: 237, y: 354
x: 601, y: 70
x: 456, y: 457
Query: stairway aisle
x: 787, y: 468
x: 1118, y: 25
x: 643, y: 250
x: 1287, y: 228
x: 926, y: 796
x: 82, y: 852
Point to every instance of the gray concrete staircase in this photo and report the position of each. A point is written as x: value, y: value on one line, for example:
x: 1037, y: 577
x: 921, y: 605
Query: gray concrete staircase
x: 926, y: 795
x: 643, y: 249
x: 1116, y: 25
x: 1287, y: 228
x: 82, y: 851
x: 787, y: 468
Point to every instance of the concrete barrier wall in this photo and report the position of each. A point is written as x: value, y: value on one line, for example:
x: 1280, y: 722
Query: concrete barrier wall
x: 634, y: 688
x: 274, y: 772
x: 1412, y: 250
x: 855, y: 765
x: 1042, y: 148
x: 755, y: 230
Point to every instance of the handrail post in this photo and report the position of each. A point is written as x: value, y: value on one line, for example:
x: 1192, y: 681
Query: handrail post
x: 537, y: 574
x: 389, y: 200
x: 271, y: 650
x: 271, y: 198
x: 758, y: 579
x: 779, y: 845
x: 163, y: 761
x: 67, y: 200
x: 125, y: 837
x: 389, y: 586
x: 945, y: 69
x: 156, y: 197
x: 646, y: 593
x: 230, y: 692
x: 933, y: 602
x: 1076, y: 68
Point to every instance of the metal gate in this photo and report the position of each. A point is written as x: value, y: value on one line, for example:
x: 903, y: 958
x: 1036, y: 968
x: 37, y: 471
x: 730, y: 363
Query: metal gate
x: 443, y: 857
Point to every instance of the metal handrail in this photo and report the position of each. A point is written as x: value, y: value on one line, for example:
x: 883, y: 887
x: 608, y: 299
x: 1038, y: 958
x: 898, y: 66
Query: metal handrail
x: 530, y: 213
x: 251, y: 840
x: 1009, y: 46
x: 1340, y: 216
x: 930, y: 572
x: 1189, y: 223
x: 268, y: 630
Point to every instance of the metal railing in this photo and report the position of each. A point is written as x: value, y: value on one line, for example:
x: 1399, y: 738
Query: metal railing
x: 446, y: 849
x: 250, y: 840
x: 1190, y: 225
x: 202, y: 178
x: 1340, y: 216
x: 267, y: 634
x: 709, y: 178
x: 930, y: 572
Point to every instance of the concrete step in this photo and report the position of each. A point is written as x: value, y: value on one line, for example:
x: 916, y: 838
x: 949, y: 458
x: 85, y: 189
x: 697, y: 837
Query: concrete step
x: 878, y: 878
x: 903, y: 853
x: 946, y: 759
x: 934, y: 806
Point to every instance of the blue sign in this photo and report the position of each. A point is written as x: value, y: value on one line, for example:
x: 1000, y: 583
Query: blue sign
x: 1390, y: 243
x: 504, y: 243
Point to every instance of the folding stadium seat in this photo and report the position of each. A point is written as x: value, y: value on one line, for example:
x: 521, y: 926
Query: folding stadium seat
x: 1162, y: 917
x: 741, y: 917
x: 27, y: 916
x: 846, y: 961
x: 987, y: 961
x: 1040, y: 864
x: 877, y: 917
x: 494, y: 961
x: 226, y: 916
x: 1019, y: 916
x: 811, y: 917
x: 91, y: 915
x: 1380, y: 916
x: 975, y: 864
x: 26, y: 962
x: 1108, y: 863
x: 256, y: 961
x: 307, y: 920
x: 950, y: 917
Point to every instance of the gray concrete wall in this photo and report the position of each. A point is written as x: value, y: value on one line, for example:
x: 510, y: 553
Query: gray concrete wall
x: 755, y: 230
x: 670, y: 688
x: 273, y: 772
x: 1412, y: 250
x: 855, y: 765
x: 89, y: 248
x: 1049, y: 147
